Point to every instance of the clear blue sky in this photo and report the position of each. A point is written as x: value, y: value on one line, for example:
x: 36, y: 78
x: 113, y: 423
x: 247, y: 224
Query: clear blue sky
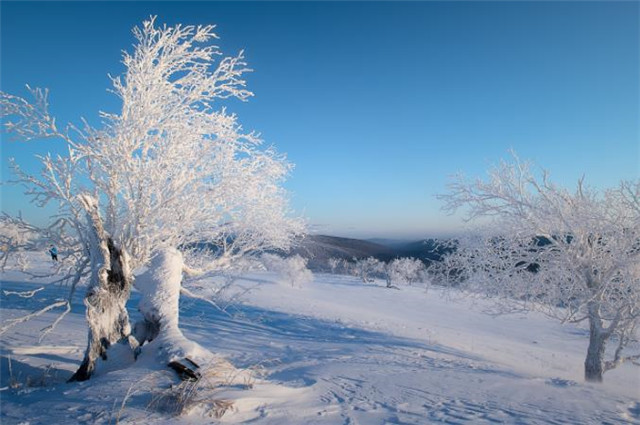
x: 376, y: 103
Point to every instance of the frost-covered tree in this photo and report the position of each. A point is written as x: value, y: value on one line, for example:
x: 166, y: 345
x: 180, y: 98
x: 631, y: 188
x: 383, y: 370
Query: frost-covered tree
x: 339, y: 265
x: 171, y: 170
x: 573, y: 254
x: 368, y: 268
x: 406, y: 269
x: 335, y: 264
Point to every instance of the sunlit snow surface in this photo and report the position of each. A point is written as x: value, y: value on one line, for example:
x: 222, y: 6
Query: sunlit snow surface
x: 336, y: 351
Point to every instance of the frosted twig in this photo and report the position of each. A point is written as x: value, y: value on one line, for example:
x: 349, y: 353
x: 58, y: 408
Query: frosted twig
x: 23, y: 294
x: 12, y: 322
x: 46, y: 330
x: 190, y: 294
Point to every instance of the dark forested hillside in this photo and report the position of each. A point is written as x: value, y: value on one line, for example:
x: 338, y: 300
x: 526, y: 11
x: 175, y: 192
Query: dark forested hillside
x: 318, y: 249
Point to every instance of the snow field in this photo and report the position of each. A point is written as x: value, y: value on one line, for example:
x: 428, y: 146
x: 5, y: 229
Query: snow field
x: 335, y: 351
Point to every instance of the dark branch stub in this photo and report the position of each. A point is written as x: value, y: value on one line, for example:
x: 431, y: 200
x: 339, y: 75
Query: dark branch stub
x: 186, y: 369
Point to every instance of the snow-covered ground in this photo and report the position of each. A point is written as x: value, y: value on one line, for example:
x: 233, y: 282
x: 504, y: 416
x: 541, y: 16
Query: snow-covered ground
x: 336, y: 351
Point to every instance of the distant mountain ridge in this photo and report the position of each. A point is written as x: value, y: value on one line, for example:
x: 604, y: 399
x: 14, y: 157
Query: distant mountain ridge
x: 318, y: 249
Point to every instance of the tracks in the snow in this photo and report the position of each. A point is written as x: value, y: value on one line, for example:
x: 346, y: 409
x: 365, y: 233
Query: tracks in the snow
x: 386, y: 399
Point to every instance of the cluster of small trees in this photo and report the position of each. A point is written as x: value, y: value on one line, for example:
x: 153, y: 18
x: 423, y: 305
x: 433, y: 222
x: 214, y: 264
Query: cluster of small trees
x: 400, y: 270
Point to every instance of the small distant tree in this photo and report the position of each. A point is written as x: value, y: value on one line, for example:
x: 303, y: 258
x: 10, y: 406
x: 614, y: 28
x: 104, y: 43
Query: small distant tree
x: 575, y: 255
x: 172, y: 170
x: 406, y: 269
x: 368, y: 268
x: 335, y: 264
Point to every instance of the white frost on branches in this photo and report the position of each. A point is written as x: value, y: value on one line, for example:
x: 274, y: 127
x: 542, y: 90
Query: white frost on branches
x: 172, y: 168
x: 408, y: 270
x: 573, y: 254
x: 368, y: 269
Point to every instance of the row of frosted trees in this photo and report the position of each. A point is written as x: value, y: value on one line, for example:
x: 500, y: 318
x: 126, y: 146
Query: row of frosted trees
x: 400, y: 270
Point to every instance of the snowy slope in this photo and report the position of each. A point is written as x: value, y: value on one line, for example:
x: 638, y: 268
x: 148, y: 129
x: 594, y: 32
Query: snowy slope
x: 333, y: 352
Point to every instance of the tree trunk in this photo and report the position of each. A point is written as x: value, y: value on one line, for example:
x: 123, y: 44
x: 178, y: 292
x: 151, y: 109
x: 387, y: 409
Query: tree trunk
x: 158, y: 332
x: 594, y: 363
x: 106, y: 296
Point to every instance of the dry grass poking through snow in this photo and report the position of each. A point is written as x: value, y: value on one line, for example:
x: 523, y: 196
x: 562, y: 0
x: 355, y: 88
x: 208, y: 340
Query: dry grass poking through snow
x: 20, y: 381
x: 192, y: 396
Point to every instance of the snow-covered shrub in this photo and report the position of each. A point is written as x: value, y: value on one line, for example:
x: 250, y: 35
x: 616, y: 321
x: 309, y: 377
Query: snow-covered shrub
x: 296, y: 270
x: 407, y: 270
x: 16, y: 237
x: 293, y: 269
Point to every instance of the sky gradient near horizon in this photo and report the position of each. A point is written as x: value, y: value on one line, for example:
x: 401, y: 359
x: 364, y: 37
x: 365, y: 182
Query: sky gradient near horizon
x: 376, y: 103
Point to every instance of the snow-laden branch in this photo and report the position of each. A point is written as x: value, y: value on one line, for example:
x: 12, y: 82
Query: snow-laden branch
x: 49, y: 328
x: 208, y: 300
x: 10, y: 323
x: 23, y: 294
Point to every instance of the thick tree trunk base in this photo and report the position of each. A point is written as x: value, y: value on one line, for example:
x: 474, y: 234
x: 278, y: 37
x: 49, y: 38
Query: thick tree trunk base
x: 107, y: 295
x: 594, y: 364
x: 593, y: 375
x: 162, y: 341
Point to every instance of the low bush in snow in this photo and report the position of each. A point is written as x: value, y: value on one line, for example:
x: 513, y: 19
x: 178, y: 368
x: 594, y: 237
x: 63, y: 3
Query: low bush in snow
x: 293, y: 269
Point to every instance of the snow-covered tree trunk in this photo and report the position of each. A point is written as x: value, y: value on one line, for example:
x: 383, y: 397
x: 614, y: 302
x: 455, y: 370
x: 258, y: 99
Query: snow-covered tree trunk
x: 107, y: 294
x: 388, y: 280
x: 164, y: 343
x: 594, y: 362
x: 159, y: 287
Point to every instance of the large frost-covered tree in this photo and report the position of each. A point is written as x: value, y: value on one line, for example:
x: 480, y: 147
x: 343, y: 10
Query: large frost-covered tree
x: 573, y: 254
x: 171, y: 170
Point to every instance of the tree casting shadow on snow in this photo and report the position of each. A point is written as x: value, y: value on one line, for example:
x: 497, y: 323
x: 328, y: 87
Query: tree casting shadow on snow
x: 281, y: 341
